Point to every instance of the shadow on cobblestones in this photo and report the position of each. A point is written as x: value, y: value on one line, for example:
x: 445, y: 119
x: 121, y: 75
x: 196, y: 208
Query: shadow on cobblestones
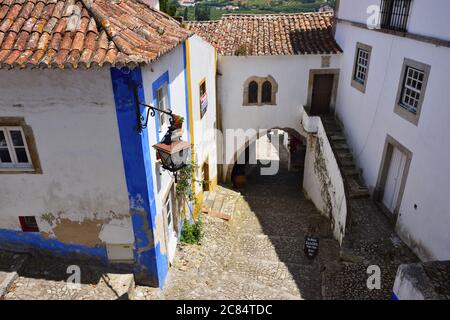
x: 284, y: 217
x: 46, y: 278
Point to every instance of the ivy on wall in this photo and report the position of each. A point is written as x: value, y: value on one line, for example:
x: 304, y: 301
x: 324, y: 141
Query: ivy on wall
x: 320, y: 169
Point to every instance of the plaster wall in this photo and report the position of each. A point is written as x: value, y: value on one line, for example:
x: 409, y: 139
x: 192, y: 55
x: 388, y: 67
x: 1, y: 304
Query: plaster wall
x: 424, y: 218
x: 292, y: 76
x: 427, y: 18
x: 81, y: 196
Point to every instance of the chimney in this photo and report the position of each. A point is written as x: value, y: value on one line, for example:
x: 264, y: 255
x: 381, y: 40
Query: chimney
x: 152, y: 3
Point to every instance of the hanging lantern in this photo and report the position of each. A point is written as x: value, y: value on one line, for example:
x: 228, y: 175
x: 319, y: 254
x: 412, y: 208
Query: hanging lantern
x: 174, y: 155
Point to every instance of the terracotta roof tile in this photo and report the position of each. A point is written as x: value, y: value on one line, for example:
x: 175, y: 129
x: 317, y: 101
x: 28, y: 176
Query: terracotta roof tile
x: 84, y: 33
x: 270, y: 34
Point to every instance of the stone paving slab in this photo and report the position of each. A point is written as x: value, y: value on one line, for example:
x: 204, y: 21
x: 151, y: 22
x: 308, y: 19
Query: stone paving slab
x: 10, y: 264
x: 44, y: 278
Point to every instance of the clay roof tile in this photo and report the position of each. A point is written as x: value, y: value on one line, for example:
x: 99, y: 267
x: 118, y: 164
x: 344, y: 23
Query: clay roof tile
x: 270, y: 34
x: 74, y: 33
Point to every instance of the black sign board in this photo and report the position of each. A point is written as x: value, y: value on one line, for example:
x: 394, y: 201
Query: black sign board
x: 311, y: 247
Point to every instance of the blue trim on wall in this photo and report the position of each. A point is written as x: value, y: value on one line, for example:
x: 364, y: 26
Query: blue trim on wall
x: 164, y: 78
x: 28, y: 242
x: 151, y: 264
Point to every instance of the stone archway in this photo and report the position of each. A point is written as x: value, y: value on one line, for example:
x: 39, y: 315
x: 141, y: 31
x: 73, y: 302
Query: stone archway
x: 250, y: 142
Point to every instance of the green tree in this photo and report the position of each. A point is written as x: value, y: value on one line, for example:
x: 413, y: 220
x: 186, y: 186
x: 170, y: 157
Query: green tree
x: 185, y: 14
x: 168, y: 7
x: 202, y: 13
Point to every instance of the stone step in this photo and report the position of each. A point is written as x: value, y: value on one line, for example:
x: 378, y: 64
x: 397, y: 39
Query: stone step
x: 337, y: 137
x: 10, y: 266
x: 333, y: 132
x: 340, y: 146
x: 347, y: 163
x: 122, y: 284
x: 356, y: 190
x: 352, y: 172
x: 344, y: 155
x: 359, y: 194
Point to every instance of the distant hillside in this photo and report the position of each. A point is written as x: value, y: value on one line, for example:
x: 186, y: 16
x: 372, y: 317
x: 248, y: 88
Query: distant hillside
x: 214, y: 9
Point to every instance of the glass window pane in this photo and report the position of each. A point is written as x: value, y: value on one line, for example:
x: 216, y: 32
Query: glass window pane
x: 5, y: 157
x: 267, y: 92
x: 253, y: 92
x: 2, y: 139
x: 21, y: 155
x: 16, y: 137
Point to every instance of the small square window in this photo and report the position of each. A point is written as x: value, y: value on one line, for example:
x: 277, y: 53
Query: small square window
x: 29, y: 224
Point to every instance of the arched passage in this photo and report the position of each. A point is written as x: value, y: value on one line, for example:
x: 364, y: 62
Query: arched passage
x: 292, y: 143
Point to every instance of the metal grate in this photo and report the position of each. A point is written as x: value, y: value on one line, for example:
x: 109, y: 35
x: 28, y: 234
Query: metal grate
x: 395, y: 14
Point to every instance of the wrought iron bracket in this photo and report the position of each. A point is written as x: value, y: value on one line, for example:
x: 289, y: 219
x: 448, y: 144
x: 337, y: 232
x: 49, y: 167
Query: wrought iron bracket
x: 151, y: 111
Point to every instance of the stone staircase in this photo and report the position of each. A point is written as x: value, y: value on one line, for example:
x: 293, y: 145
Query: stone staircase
x: 220, y: 203
x: 352, y: 174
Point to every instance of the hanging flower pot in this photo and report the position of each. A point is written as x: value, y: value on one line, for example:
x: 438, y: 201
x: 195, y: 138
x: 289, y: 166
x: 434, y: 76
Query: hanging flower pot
x: 177, y: 121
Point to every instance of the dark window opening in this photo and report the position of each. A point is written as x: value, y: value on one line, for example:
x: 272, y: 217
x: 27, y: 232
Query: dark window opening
x: 203, y: 99
x: 394, y: 14
x: 29, y: 224
x: 253, y: 92
x: 266, y: 92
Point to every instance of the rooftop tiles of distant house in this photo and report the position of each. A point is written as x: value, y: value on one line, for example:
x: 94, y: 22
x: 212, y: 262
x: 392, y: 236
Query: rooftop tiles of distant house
x: 270, y: 34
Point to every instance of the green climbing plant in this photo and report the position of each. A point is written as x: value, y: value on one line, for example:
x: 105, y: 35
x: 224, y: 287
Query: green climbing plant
x: 192, y: 233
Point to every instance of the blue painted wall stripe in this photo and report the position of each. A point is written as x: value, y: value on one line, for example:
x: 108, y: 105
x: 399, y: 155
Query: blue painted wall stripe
x: 151, y: 264
x: 28, y: 242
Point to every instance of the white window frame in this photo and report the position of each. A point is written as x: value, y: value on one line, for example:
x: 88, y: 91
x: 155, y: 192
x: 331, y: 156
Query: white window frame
x: 15, y: 165
x: 162, y: 104
x: 402, y: 108
x: 361, y: 66
x: 413, y: 90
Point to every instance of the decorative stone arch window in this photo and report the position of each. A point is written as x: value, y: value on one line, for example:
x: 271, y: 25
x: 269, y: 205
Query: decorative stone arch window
x: 259, y: 91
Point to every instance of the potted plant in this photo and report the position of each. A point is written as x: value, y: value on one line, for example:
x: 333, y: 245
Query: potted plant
x: 177, y: 122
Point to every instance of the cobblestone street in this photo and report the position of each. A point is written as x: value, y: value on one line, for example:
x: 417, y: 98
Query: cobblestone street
x: 259, y: 254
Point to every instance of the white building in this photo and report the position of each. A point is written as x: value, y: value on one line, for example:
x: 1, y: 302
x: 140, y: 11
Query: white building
x: 264, y: 80
x: 393, y: 104
x: 77, y: 178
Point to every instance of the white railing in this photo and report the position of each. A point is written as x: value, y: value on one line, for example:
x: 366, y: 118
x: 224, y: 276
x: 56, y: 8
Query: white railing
x: 323, y: 181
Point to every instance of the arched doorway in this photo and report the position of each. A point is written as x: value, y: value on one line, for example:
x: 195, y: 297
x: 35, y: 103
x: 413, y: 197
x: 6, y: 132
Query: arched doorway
x: 277, y: 149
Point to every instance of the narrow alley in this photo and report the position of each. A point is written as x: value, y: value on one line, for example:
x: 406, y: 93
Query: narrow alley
x: 257, y: 254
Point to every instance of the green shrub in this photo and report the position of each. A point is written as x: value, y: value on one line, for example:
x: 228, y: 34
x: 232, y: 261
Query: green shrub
x: 192, y: 233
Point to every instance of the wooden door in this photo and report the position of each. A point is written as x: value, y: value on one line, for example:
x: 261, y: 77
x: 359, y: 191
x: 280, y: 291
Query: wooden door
x: 321, y: 94
x: 206, y: 176
x: 394, y: 180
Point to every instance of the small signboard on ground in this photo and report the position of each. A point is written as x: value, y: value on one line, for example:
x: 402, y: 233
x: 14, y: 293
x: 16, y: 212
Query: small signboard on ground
x: 311, y: 247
